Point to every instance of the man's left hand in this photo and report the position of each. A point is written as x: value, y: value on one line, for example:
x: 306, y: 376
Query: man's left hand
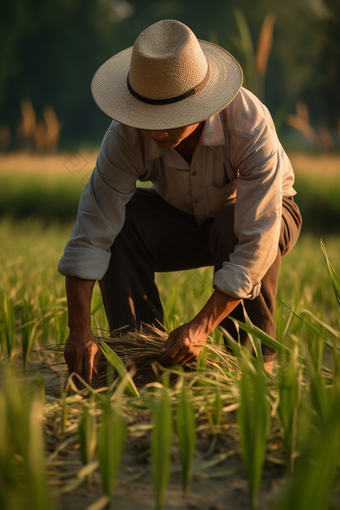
x: 179, y: 347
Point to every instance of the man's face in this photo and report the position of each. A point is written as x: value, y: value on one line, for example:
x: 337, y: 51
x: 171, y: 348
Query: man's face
x: 172, y: 137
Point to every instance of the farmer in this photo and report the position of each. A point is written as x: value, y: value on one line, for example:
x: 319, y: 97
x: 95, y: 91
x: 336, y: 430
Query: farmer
x: 222, y: 196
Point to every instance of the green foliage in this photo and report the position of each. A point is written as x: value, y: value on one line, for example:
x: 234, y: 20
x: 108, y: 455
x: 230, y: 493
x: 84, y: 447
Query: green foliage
x: 111, y: 439
x: 303, y: 394
x: 28, y: 329
x: 332, y: 275
x: 87, y: 434
x: 22, y: 450
x: 119, y: 366
x: 186, y: 430
x: 8, y: 330
x: 56, y: 198
x: 161, y: 442
x: 253, y: 420
x: 290, y: 400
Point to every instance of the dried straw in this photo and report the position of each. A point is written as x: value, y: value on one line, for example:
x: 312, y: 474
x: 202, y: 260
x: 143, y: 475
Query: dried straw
x: 143, y: 346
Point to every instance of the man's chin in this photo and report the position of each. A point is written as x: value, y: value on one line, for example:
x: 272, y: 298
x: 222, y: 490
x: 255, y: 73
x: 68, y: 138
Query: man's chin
x: 165, y: 145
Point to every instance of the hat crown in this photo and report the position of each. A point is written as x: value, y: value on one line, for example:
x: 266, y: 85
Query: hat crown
x: 167, y: 61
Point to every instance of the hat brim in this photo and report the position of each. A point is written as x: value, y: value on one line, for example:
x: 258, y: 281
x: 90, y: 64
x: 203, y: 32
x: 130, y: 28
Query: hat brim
x: 110, y: 93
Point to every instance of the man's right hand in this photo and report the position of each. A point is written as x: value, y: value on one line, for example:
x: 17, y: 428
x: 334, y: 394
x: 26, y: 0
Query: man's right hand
x: 82, y: 354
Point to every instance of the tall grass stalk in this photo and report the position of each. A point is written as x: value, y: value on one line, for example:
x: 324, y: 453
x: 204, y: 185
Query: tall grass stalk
x: 119, y: 366
x: 22, y: 448
x: 9, y: 325
x: 290, y: 399
x: 35, y: 460
x: 28, y: 330
x: 310, y: 488
x: 332, y: 275
x: 87, y: 434
x: 186, y: 430
x: 161, y: 442
x: 253, y: 418
x: 111, y: 440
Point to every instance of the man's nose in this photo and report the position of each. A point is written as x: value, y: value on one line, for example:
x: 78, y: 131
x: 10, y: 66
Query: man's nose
x: 159, y: 135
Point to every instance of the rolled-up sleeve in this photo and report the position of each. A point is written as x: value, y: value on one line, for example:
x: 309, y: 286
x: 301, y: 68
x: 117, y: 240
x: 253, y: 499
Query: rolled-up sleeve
x: 101, y: 212
x: 258, y: 211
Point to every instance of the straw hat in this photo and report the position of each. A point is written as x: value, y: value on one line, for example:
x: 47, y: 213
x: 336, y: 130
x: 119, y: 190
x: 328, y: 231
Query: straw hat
x: 167, y: 80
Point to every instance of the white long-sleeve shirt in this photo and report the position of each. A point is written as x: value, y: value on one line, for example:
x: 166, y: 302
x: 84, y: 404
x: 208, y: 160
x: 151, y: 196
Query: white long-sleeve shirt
x: 238, y: 157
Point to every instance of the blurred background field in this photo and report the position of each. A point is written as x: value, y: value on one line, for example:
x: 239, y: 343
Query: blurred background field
x: 49, y: 187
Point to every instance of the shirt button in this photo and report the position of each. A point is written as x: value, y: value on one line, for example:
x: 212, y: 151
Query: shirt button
x: 193, y: 174
x: 196, y: 201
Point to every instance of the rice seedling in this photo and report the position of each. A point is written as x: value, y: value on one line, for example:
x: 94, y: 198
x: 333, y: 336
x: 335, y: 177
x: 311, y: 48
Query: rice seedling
x: 118, y: 365
x: 111, y: 439
x: 9, y: 342
x: 161, y: 445
x: 310, y: 488
x: 253, y: 417
x: 297, y: 394
x: 87, y: 434
x: 289, y: 404
x: 22, y: 449
x: 28, y: 330
x: 8, y: 474
x: 186, y: 430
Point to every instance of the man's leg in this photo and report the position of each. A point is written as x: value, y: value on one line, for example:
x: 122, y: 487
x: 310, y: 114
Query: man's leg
x: 261, y: 309
x: 156, y: 237
x: 159, y: 237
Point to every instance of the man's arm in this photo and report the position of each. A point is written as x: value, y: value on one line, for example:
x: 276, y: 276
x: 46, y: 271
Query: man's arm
x: 179, y: 348
x: 81, y: 349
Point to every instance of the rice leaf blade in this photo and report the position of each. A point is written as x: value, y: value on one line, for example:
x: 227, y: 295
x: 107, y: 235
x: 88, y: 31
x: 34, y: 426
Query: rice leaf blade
x: 186, y: 430
x: 161, y: 442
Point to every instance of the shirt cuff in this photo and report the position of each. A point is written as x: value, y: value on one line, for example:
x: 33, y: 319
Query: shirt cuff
x: 88, y: 263
x: 235, y: 281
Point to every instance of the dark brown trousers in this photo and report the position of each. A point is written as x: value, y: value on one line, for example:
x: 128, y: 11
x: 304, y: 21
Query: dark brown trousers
x: 157, y: 237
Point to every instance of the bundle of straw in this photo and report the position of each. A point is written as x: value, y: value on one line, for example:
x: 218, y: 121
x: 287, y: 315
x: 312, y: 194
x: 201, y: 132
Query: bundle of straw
x: 142, y: 347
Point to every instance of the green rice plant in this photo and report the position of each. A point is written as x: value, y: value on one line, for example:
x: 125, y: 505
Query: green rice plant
x: 87, y: 435
x: 216, y: 420
x: 253, y: 418
x: 8, y: 477
x: 161, y: 442
x: 119, y: 366
x: 9, y: 343
x: 310, y: 487
x: 38, y: 496
x: 326, y: 417
x: 60, y: 324
x: 111, y: 439
x: 290, y: 400
x: 22, y: 449
x: 28, y: 330
x: 169, y: 315
x: 186, y: 430
x: 332, y: 274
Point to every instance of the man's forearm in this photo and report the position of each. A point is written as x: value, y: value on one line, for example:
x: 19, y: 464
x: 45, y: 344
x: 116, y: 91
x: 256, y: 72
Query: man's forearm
x: 79, y: 295
x: 217, y: 308
x: 81, y: 350
x: 182, y: 343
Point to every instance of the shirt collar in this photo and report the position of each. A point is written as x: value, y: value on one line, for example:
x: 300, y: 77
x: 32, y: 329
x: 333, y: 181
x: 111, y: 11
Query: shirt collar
x: 213, y: 133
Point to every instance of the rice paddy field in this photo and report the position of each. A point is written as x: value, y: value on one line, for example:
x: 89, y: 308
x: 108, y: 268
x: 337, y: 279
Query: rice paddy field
x: 221, y: 435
